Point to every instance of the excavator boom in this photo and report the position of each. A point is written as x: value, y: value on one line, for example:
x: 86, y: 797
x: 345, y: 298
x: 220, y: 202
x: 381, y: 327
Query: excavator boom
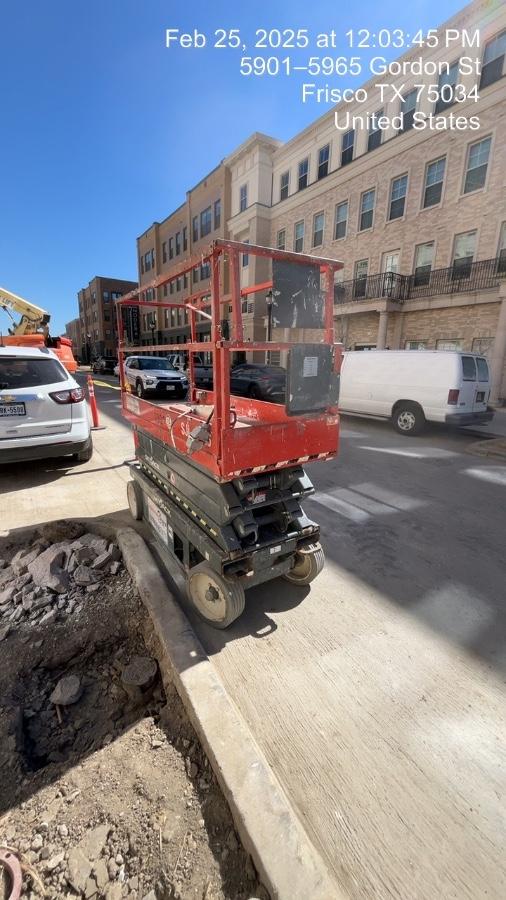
x: 33, y: 317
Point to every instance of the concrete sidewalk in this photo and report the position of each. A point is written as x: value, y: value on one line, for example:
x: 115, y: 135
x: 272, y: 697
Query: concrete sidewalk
x: 40, y: 491
x: 496, y: 428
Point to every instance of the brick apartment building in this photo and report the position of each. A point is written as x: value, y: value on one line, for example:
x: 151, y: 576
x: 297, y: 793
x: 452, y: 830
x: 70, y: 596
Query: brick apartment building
x: 73, y: 331
x: 96, y: 334
x: 418, y: 217
x: 199, y: 220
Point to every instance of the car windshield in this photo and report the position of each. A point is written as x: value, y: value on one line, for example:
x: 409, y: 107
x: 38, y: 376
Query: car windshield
x: 19, y: 372
x: 155, y: 362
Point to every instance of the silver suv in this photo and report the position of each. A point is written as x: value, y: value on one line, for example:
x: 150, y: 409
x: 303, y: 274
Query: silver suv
x: 154, y: 374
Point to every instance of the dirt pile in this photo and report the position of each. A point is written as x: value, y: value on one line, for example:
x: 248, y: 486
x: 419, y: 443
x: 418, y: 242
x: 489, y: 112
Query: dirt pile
x: 106, y: 792
x: 47, y: 581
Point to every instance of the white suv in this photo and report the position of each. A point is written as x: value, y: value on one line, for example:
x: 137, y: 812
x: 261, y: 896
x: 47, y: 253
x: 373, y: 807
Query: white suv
x: 154, y: 374
x: 43, y: 412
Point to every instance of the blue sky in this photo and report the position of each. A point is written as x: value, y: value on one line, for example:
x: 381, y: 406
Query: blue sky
x: 103, y: 128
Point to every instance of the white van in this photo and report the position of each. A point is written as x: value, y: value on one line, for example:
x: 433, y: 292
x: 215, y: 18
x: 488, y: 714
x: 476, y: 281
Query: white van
x: 411, y: 387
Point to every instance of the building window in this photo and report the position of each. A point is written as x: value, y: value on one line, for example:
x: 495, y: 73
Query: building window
x: 105, y: 295
x: 398, y: 197
x: 281, y: 239
x: 245, y: 258
x: 341, y: 223
x: 185, y: 280
x: 165, y: 290
x: 205, y: 222
x: 298, y: 243
x: 449, y: 344
x: 434, y: 177
x: 171, y: 287
x: 195, y: 275
x: 303, y: 173
x: 243, y: 197
x: 318, y: 226
x: 424, y: 257
x: 205, y: 270
x: 164, y: 252
x: 185, y: 239
x: 360, y: 283
x: 492, y: 68
x: 147, y: 261
x: 323, y: 161
x: 171, y: 248
x: 178, y: 243
x: 195, y: 228
x: 501, y: 251
x: 408, y: 107
x: 366, y: 210
x: 374, y: 137
x: 446, y: 88
x: 415, y: 345
x: 347, y: 145
x: 284, y: 184
x: 483, y: 346
x: 152, y: 259
x: 477, y: 164
x: 464, y: 248
x: 178, y: 284
x: 217, y: 214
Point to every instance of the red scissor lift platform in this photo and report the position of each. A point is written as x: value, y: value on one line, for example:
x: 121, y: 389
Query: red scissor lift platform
x: 219, y: 477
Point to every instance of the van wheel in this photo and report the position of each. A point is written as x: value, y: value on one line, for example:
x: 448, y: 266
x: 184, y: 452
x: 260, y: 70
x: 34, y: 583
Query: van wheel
x: 408, y: 418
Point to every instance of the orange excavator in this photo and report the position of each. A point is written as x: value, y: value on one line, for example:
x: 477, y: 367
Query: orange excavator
x: 32, y: 330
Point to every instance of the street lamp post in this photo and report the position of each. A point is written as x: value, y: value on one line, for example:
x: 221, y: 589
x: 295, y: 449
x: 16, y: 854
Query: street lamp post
x: 152, y: 326
x: 269, y: 300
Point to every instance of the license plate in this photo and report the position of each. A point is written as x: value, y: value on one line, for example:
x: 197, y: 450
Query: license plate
x: 12, y: 409
x: 170, y: 387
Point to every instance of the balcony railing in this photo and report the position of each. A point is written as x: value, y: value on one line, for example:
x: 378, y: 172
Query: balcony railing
x: 462, y: 276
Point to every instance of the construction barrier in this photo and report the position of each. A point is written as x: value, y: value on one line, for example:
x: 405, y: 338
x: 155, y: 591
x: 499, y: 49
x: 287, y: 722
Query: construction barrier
x: 92, y: 401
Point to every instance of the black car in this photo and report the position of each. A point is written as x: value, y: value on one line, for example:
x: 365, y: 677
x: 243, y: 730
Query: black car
x: 104, y: 365
x: 259, y: 381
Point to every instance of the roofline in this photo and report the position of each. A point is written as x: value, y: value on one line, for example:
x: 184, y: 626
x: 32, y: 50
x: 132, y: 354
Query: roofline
x: 257, y: 137
x: 329, y: 114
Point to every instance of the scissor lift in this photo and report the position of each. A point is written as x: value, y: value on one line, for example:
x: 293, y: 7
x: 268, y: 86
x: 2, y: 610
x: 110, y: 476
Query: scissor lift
x: 219, y: 478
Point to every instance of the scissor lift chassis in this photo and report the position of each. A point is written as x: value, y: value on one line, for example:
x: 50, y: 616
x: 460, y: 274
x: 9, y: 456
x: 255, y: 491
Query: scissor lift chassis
x: 185, y: 536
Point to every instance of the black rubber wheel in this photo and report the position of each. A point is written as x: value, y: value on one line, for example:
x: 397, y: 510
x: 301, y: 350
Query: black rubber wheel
x: 217, y: 600
x: 139, y: 389
x: 408, y: 418
x: 134, y: 497
x: 86, y: 454
x: 308, y: 564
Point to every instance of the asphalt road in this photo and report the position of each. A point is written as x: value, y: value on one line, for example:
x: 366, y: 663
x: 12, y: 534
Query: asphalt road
x: 378, y: 694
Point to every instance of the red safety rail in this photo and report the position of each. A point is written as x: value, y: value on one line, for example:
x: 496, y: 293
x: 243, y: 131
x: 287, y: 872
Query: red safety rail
x: 244, y: 435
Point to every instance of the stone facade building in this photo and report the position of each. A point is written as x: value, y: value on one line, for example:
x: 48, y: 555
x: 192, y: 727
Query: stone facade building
x: 416, y: 215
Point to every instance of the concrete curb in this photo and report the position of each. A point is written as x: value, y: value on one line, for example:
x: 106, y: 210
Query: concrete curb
x: 287, y: 862
x: 492, y: 448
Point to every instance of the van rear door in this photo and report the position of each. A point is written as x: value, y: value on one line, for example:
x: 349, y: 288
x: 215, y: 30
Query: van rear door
x: 483, y: 387
x: 474, y: 388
